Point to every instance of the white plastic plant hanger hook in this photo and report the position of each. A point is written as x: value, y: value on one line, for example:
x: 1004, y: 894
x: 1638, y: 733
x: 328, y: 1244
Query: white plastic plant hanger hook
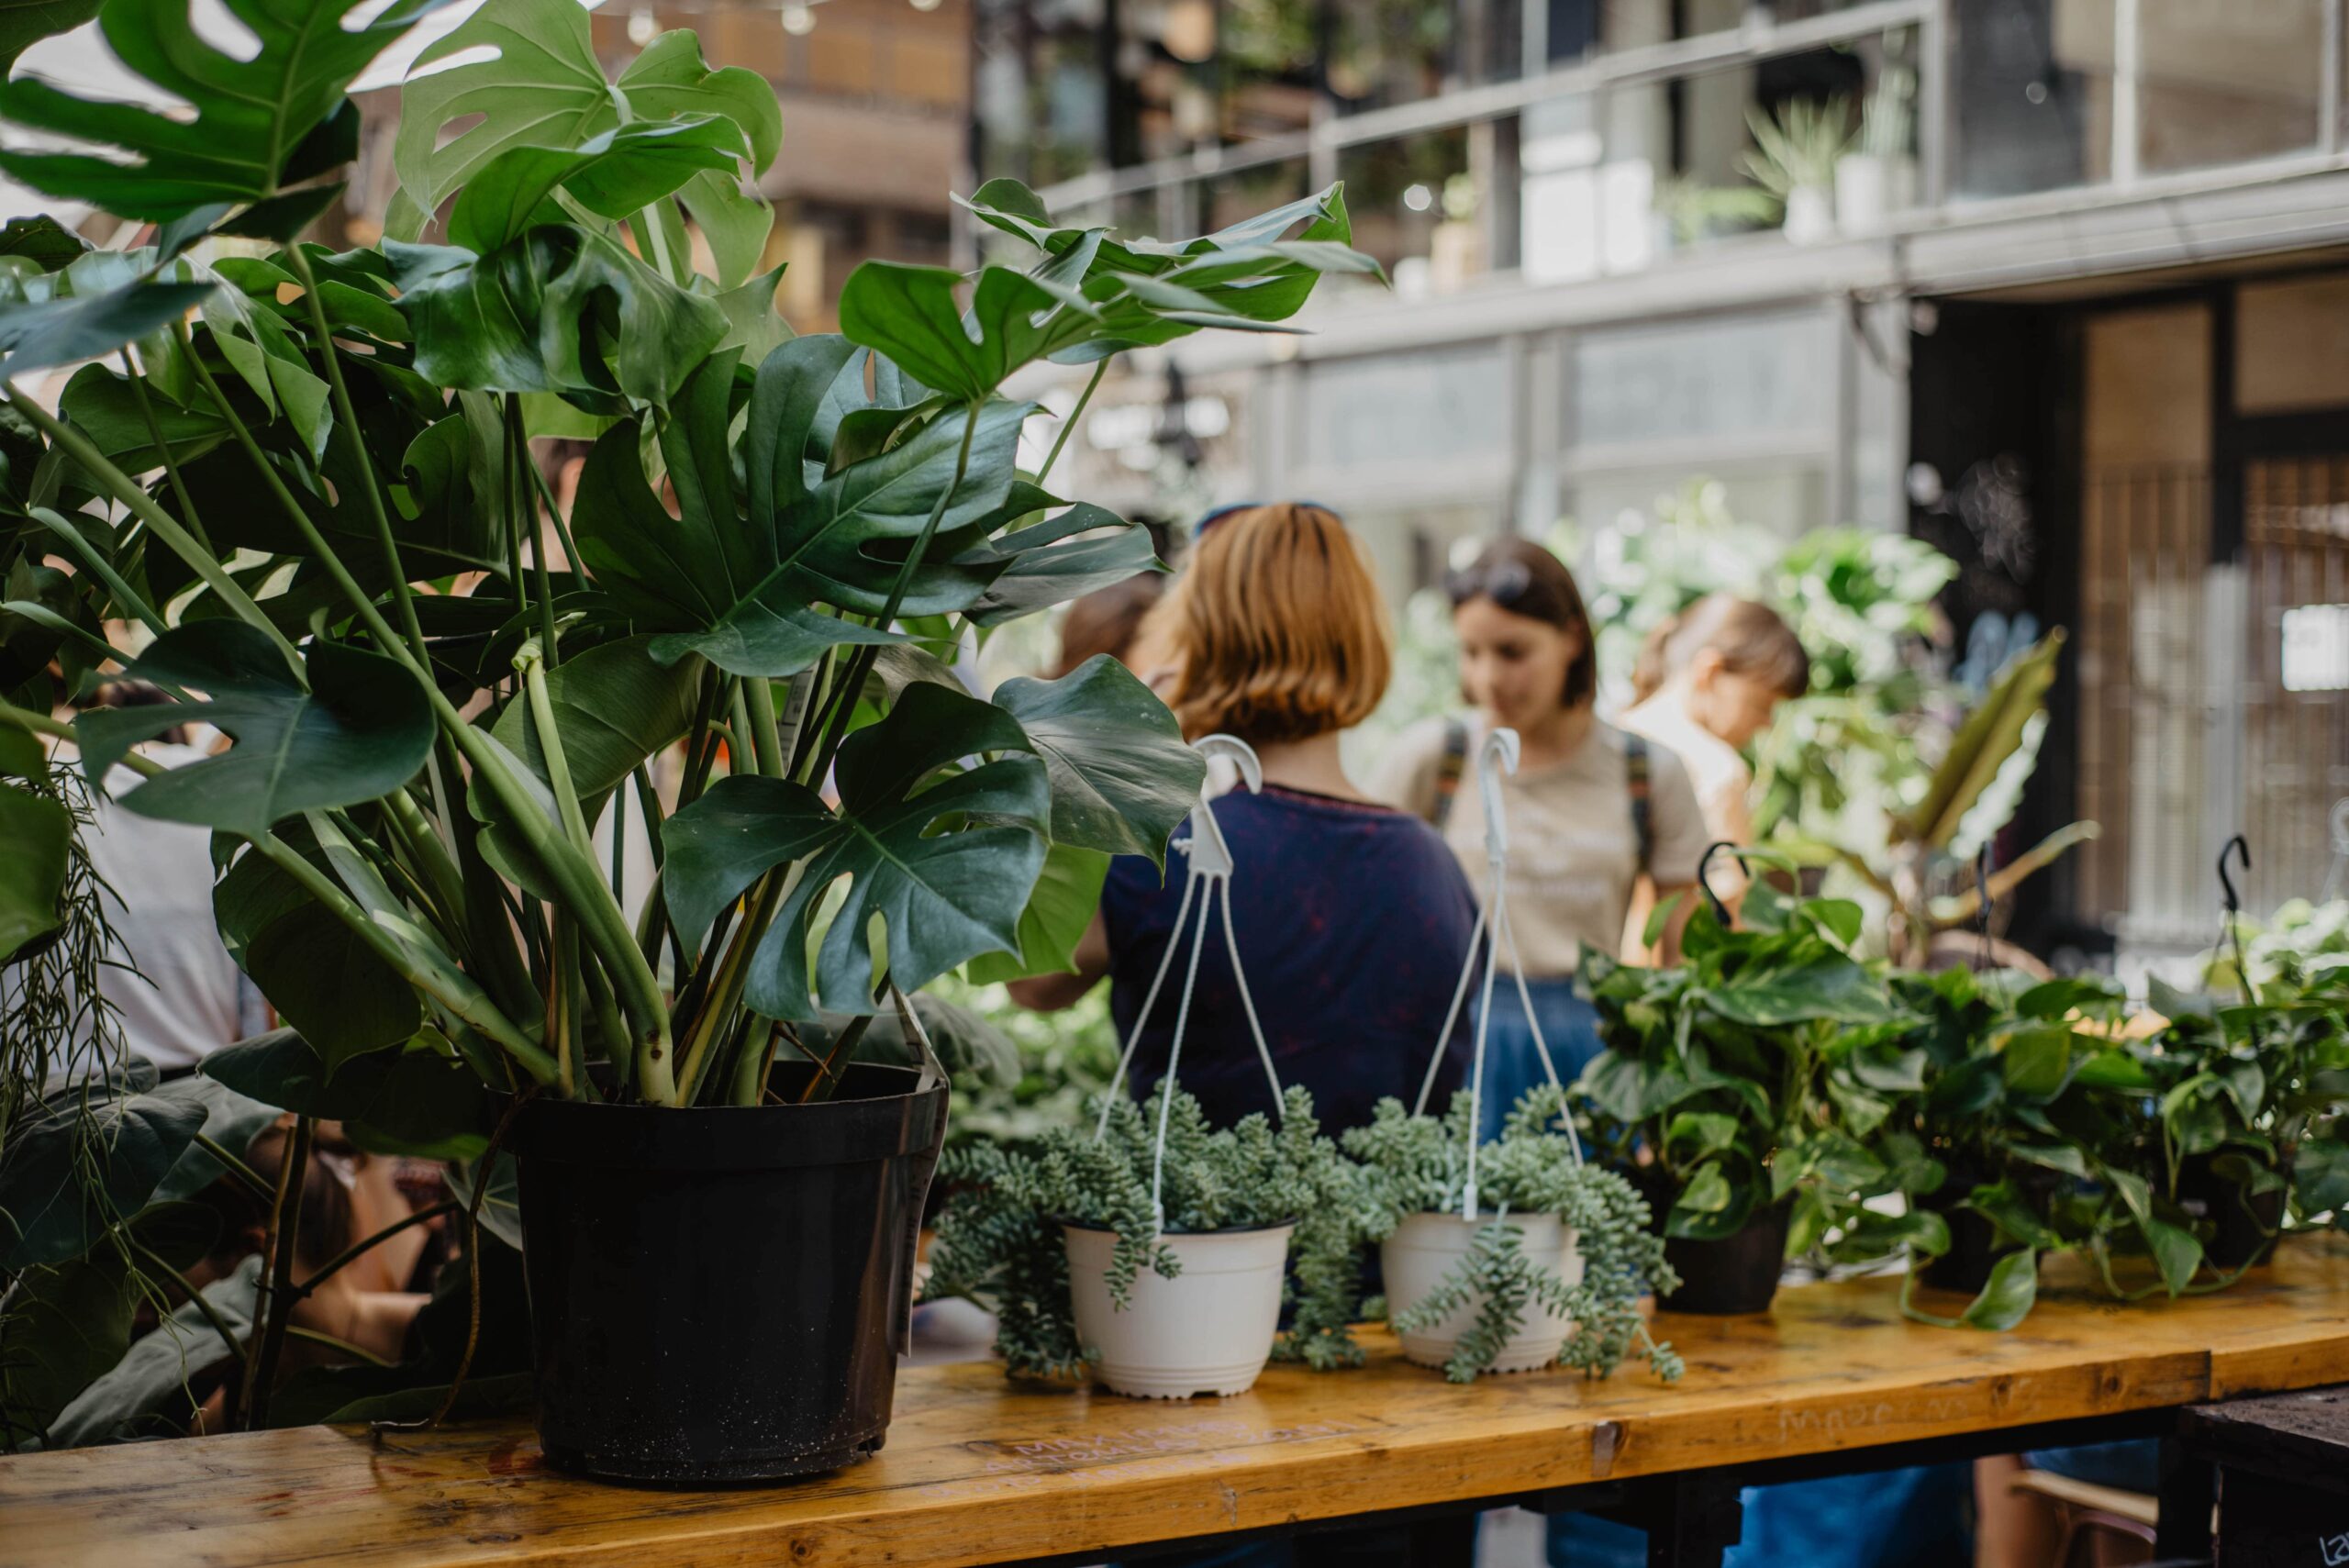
x: 1211, y: 868
x: 1496, y: 757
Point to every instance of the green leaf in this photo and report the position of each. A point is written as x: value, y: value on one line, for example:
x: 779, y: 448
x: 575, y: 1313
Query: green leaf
x: 612, y: 174
x: 320, y: 976
x: 753, y: 322
x: 947, y: 864
x: 35, y: 836
x: 2320, y: 1175
x: 2178, y: 1252
x: 51, y: 320
x: 1710, y: 1206
x: 1058, y: 912
x: 125, y: 1401
x: 851, y: 533
x: 252, y: 118
x: 414, y: 1100
x: 231, y: 1119
x: 556, y: 309
x: 61, y: 1328
x: 787, y: 402
x: 2113, y: 1070
x: 911, y: 314
x: 2008, y: 1296
x: 362, y: 730
x: 1991, y: 734
x: 2036, y: 1062
x: 541, y: 87
x: 1100, y: 549
x: 671, y: 78
x: 615, y: 706
x: 1122, y: 779
x: 67, y: 1176
x: 1831, y: 987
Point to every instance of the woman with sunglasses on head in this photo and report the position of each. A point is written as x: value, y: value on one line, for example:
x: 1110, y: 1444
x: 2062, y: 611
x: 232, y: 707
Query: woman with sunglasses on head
x: 1352, y: 920
x: 1594, y: 813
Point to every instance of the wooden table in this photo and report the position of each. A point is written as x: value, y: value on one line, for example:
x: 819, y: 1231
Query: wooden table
x: 978, y: 1470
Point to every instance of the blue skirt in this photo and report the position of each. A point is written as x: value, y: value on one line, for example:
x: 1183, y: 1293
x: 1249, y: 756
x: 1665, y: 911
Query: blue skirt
x: 1512, y: 1061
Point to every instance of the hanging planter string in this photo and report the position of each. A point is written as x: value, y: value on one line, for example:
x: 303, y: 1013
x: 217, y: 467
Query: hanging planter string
x: 1497, y: 756
x: 1208, y: 883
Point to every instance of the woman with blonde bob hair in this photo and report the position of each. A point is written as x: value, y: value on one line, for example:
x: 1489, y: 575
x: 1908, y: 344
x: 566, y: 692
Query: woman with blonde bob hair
x: 1352, y: 919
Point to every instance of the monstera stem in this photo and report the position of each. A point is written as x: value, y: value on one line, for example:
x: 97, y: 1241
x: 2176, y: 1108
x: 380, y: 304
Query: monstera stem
x: 844, y: 698
x: 1068, y: 426
x: 346, y: 418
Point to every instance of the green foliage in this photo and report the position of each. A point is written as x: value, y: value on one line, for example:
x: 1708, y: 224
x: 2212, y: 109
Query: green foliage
x: 1418, y: 1164
x: 1000, y: 1244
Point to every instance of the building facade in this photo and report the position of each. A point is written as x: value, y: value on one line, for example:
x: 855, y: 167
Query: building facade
x: 2051, y: 282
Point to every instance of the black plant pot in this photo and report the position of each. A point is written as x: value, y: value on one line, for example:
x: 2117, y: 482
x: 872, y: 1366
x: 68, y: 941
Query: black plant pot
x: 721, y: 1294
x: 2245, y: 1224
x: 1737, y: 1273
x: 1973, y: 1241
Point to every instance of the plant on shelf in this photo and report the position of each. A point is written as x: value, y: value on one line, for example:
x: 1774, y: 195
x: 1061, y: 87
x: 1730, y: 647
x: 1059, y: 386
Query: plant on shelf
x: 1793, y: 158
x: 1062, y: 1238
x: 1552, y: 1266
x: 2300, y: 941
x: 1758, y: 1075
x: 300, y: 487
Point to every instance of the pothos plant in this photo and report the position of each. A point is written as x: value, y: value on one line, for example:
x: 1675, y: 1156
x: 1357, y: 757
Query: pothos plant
x: 999, y: 1241
x: 296, y: 491
x: 1760, y: 1070
x: 1418, y: 1164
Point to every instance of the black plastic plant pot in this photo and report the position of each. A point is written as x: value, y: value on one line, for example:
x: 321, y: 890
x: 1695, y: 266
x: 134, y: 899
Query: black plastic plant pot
x: 1973, y: 1239
x: 719, y: 1294
x: 2244, y: 1224
x: 1737, y: 1274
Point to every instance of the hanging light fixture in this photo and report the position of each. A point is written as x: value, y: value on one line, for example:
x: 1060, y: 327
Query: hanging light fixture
x: 798, y: 18
x: 642, y: 26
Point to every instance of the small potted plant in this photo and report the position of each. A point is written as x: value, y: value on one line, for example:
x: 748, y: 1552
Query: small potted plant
x: 1064, y: 1243
x: 1793, y: 157
x: 1872, y: 178
x: 1742, y: 1089
x: 1520, y: 1257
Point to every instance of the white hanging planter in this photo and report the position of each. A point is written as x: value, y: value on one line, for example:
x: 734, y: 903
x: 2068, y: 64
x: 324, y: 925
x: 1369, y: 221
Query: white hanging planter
x: 1208, y: 1330
x: 1426, y: 1247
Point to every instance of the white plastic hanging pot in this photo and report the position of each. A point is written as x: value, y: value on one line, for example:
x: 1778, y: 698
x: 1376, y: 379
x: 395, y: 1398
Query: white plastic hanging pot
x: 1208, y: 1330
x: 1426, y: 1247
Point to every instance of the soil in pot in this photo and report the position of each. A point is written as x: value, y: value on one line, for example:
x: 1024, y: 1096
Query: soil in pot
x: 2245, y: 1224
x: 1737, y: 1273
x: 719, y: 1294
x: 1426, y: 1247
x: 1208, y: 1330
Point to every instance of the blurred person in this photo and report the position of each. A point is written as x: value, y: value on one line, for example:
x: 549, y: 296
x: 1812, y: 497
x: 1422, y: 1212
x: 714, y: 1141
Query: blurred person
x: 1108, y: 620
x: 1276, y: 633
x: 1709, y: 681
x: 1595, y: 812
x: 181, y: 997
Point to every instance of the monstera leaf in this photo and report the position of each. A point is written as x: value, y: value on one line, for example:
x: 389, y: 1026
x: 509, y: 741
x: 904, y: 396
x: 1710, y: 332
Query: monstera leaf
x: 947, y: 865
x: 556, y: 309
x: 1059, y: 559
x: 361, y: 729
x: 1122, y: 778
x: 252, y: 130
x: 83, y: 311
x: 613, y: 174
x: 543, y: 89
x: 1146, y: 292
x: 910, y: 314
x: 614, y: 706
x: 320, y: 976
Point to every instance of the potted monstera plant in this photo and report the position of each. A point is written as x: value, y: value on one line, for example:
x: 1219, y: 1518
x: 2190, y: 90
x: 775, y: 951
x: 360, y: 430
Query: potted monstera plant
x: 304, y: 482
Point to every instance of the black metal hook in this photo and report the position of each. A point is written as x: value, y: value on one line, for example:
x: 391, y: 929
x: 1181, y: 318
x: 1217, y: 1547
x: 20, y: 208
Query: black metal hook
x: 1704, y: 862
x: 1982, y: 905
x: 2240, y: 847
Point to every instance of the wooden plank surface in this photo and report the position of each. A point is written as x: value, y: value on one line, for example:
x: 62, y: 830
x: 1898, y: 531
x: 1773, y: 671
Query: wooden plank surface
x: 980, y: 1471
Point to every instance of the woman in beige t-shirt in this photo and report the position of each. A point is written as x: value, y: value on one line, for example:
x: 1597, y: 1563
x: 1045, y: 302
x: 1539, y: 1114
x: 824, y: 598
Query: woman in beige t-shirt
x: 1709, y: 681
x: 1594, y: 813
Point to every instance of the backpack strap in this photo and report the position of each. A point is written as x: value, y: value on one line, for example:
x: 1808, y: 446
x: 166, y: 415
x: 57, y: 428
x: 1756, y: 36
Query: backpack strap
x: 1638, y: 769
x: 1449, y: 766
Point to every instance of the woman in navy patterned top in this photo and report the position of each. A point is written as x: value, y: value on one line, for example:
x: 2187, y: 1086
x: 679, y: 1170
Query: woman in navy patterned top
x: 1353, y: 920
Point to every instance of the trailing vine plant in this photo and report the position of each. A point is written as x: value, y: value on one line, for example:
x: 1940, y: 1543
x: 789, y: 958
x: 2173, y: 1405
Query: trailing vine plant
x: 1418, y: 1164
x: 1000, y: 1244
